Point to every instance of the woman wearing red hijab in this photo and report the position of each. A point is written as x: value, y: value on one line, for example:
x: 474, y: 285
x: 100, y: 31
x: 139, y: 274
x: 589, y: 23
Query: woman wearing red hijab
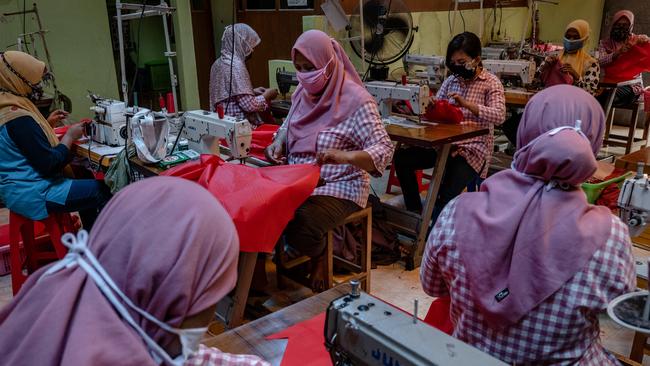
x: 528, y: 263
x: 333, y: 122
x: 141, y: 291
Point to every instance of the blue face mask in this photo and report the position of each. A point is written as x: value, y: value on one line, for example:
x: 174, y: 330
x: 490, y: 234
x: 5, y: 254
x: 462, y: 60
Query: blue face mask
x: 572, y: 46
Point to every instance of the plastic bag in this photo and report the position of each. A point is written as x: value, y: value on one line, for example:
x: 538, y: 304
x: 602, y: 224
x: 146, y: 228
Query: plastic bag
x: 261, y: 201
x: 444, y: 112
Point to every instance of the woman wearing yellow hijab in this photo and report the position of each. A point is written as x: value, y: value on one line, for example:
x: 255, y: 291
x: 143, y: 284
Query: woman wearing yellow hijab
x: 32, y: 158
x: 575, y: 59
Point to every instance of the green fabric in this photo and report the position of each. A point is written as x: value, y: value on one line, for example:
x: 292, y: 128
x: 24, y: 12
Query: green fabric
x: 118, y: 175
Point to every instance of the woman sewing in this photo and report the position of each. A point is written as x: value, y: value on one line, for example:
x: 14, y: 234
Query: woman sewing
x: 32, y: 159
x: 528, y: 263
x: 230, y: 84
x: 333, y: 122
x: 481, y: 98
x: 615, y: 47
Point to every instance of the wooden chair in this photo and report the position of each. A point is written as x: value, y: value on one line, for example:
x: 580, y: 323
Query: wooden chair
x: 361, y: 269
x: 629, y: 141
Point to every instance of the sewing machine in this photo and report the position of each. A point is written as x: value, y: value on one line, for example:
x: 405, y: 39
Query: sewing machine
x: 364, y: 330
x: 634, y: 202
x: 494, y: 53
x: 109, y: 125
x: 436, y: 71
x: 386, y: 92
x: 512, y: 72
x: 204, y: 129
x: 285, y: 80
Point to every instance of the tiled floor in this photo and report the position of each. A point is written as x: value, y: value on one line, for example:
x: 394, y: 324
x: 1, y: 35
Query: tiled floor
x: 391, y: 283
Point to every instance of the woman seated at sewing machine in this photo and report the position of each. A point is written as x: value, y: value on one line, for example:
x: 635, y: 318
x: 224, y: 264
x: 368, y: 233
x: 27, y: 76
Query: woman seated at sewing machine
x: 615, y: 47
x: 333, y: 122
x: 88, y: 322
x: 528, y: 263
x: 230, y: 84
x: 33, y: 162
x: 480, y: 96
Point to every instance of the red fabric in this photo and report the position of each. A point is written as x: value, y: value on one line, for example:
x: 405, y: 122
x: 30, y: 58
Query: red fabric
x: 261, y: 201
x: 444, y: 112
x: 627, y: 67
x: 438, y: 315
x: 262, y: 138
x: 552, y: 75
x: 306, y: 343
x: 609, y: 196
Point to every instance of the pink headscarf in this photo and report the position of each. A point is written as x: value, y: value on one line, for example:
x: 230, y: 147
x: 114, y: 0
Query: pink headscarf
x: 343, y: 95
x: 520, y: 239
x: 623, y: 14
x: 166, y: 243
x: 246, y: 39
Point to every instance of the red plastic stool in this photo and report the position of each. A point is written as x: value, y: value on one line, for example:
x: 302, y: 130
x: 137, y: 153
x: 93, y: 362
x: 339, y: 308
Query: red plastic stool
x: 38, y: 250
x: 394, y: 182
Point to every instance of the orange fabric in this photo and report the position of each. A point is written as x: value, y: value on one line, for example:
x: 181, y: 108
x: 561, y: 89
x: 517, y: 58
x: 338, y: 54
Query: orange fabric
x: 261, y: 201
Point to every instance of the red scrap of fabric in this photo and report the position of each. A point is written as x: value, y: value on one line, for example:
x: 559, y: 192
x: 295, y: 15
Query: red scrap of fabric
x: 262, y: 138
x: 609, y: 196
x: 443, y: 111
x: 630, y: 64
x: 306, y: 343
x: 261, y: 201
x: 552, y: 75
x: 438, y: 315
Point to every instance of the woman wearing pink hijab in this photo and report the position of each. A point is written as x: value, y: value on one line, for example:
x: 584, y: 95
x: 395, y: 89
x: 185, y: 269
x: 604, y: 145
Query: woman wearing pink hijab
x: 619, y: 42
x: 140, y: 292
x: 528, y: 263
x: 333, y: 122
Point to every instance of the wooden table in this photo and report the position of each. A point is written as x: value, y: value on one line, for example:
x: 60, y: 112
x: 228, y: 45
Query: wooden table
x: 440, y: 136
x: 251, y: 338
x: 630, y: 161
x: 518, y: 97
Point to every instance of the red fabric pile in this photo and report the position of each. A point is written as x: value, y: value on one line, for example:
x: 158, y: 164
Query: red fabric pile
x: 444, y: 112
x: 636, y: 61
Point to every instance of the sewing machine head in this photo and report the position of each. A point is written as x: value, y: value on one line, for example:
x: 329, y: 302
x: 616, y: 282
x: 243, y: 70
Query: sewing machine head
x: 385, y: 92
x: 109, y: 125
x: 363, y: 330
x: 204, y: 130
x: 518, y: 73
x: 634, y: 202
x: 435, y: 71
x: 285, y: 80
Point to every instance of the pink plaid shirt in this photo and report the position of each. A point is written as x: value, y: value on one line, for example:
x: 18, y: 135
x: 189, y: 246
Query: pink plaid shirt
x: 207, y: 356
x: 245, y: 106
x: 363, y: 130
x: 563, y: 330
x: 487, y: 92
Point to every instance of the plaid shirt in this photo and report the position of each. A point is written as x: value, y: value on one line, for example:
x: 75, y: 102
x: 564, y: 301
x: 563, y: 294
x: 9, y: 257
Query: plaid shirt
x: 486, y: 91
x: 363, y: 130
x: 562, y: 330
x: 207, y: 356
x: 245, y: 106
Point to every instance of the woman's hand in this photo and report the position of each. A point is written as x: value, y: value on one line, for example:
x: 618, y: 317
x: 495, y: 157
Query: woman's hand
x: 551, y: 59
x: 464, y: 103
x: 275, y: 153
x: 74, y: 133
x: 642, y: 39
x: 56, y: 117
x: 270, y: 94
x: 259, y: 91
x: 333, y: 156
x: 568, y: 69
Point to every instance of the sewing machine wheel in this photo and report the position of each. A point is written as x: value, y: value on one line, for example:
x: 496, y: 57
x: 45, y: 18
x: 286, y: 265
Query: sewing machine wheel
x: 123, y: 132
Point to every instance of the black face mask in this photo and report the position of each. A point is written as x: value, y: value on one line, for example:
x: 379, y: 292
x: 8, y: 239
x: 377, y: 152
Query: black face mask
x: 462, y: 71
x: 620, y: 34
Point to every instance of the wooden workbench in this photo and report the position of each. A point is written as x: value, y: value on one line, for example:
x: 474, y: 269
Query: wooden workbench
x: 441, y: 137
x: 251, y: 338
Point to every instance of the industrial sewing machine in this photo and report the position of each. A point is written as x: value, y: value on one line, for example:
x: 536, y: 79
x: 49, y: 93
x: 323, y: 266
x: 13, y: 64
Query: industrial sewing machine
x: 517, y: 73
x: 204, y: 130
x: 109, y: 125
x: 386, y: 92
x: 435, y: 72
x: 634, y: 202
x: 363, y: 330
x: 285, y: 80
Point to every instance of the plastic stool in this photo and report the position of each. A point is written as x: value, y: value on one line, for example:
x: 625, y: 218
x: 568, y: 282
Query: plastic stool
x: 394, y: 182
x: 38, y: 250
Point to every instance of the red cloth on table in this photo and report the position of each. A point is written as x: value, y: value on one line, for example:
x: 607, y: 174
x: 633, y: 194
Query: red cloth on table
x: 444, y: 112
x: 305, y: 343
x: 262, y: 138
x: 552, y: 75
x: 438, y: 315
x: 261, y: 201
x: 629, y: 65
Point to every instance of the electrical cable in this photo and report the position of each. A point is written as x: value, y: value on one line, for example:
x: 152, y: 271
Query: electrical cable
x: 463, y: 18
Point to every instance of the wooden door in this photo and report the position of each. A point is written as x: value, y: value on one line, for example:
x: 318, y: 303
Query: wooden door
x: 278, y: 23
x: 203, y: 47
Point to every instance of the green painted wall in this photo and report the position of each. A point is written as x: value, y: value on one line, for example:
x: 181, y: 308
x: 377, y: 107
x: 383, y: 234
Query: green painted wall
x: 189, y: 89
x: 222, y: 15
x: 152, y: 39
x: 79, y: 43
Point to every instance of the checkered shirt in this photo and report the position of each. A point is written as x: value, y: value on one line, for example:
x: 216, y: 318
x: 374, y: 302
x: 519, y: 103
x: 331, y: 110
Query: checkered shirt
x: 245, y: 106
x: 363, y: 130
x: 486, y: 91
x: 207, y: 356
x: 563, y: 330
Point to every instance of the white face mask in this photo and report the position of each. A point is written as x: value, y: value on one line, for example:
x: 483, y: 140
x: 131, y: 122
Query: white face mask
x: 80, y: 255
